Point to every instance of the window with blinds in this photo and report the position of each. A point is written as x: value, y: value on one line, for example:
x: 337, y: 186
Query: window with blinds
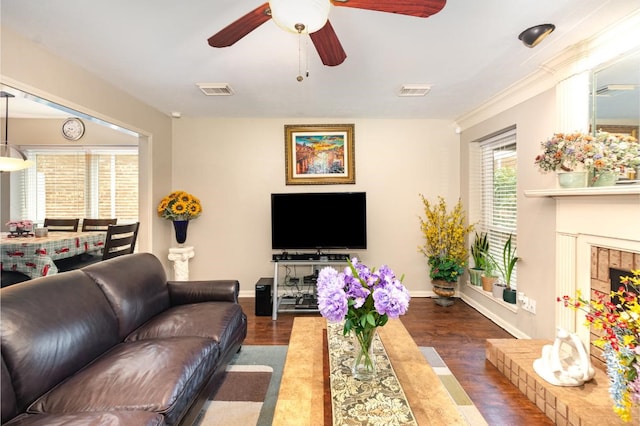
x: 497, y: 192
x: 88, y: 182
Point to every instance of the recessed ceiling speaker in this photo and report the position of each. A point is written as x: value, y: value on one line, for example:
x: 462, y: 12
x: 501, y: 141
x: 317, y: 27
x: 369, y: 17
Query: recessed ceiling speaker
x: 531, y: 37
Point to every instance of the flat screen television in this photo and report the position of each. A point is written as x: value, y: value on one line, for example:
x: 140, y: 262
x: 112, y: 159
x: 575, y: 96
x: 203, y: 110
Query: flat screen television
x: 336, y: 220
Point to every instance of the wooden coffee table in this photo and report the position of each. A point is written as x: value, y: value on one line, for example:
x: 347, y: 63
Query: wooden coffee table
x: 302, y: 399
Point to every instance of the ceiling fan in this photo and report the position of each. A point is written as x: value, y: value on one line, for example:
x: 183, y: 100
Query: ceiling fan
x: 290, y: 15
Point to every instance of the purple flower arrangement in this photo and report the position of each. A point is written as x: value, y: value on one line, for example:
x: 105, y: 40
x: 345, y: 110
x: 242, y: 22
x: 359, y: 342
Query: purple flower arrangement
x: 363, y: 297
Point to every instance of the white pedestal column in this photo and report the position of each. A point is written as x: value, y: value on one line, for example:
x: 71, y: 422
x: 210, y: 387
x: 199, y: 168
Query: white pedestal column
x: 180, y: 257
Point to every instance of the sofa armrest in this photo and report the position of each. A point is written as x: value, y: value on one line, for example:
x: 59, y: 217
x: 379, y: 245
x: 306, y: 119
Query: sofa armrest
x: 184, y: 292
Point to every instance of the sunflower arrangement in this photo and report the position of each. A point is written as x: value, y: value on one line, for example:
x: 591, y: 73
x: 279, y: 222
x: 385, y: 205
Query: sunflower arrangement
x: 179, y: 205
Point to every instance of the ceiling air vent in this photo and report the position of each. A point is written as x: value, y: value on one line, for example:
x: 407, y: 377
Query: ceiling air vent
x: 215, y: 89
x: 414, y: 90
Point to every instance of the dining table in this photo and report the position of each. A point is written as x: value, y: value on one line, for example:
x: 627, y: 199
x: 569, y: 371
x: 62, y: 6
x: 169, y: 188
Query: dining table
x: 36, y: 256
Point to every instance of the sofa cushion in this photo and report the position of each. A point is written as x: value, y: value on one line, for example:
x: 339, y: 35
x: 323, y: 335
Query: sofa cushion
x: 187, y: 292
x: 135, y: 285
x: 51, y: 327
x: 160, y: 375
x: 8, y: 396
x: 115, y: 418
x: 223, y: 322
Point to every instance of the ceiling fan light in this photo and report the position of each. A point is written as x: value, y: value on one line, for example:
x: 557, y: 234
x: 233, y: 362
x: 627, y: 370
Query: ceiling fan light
x: 531, y: 37
x: 312, y: 14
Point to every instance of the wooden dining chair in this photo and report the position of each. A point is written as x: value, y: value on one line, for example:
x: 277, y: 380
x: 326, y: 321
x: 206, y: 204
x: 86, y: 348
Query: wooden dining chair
x: 121, y: 240
x: 69, y: 225
x: 97, y: 224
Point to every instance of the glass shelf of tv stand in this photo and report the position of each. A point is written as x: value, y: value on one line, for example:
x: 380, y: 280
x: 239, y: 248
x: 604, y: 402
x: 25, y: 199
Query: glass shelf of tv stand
x: 277, y: 298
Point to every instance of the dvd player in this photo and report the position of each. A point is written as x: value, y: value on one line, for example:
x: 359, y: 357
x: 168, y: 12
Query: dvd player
x: 300, y: 257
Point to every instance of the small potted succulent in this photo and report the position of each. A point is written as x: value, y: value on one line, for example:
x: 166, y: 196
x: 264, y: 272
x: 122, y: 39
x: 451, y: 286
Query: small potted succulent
x: 506, y: 267
x: 479, y: 249
x: 489, y: 277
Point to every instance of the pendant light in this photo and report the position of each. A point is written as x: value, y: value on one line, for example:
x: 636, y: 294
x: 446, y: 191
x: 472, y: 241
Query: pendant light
x: 11, y: 159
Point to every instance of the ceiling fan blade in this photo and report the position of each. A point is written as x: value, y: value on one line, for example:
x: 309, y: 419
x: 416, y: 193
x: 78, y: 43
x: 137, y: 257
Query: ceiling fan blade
x: 328, y: 46
x: 419, y: 8
x: 241, y: 27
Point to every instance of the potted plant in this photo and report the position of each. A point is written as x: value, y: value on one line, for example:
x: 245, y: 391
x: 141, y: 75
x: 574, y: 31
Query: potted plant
x: 478, y: 251
x: 488, y: 276
x: 444, y: 232
x: 509, y: 260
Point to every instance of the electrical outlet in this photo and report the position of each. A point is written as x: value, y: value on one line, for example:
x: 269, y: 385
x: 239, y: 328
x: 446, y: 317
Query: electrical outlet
x: 529, y: 305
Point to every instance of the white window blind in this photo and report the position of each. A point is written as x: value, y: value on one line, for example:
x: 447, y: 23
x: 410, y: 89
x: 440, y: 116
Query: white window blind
x: 498, y: 196
x: 85, y: 182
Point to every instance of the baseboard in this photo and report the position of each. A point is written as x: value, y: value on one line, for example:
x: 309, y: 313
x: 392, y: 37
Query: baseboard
x: 515, y: 332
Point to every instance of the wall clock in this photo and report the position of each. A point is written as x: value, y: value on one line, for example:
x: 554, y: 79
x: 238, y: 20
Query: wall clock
x: 73, y: 129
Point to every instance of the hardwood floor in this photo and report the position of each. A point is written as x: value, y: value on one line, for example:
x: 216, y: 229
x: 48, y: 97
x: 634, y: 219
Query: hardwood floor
x: 458, y: 333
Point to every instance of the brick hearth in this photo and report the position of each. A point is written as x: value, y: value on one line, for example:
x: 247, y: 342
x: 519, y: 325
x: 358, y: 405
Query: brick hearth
x: 585, y: 405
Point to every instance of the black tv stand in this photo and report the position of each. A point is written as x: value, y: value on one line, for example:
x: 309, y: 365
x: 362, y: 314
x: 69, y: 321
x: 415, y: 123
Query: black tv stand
x: 309, y: 257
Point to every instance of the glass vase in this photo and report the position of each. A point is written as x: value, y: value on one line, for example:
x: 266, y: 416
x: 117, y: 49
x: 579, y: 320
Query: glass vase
x: 364, y: 363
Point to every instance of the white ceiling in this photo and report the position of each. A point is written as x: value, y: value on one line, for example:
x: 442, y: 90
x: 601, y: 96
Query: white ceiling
x: 157, y: 51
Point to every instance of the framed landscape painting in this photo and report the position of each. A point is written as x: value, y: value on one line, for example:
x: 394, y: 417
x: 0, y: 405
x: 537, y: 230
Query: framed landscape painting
x: 319, y: 154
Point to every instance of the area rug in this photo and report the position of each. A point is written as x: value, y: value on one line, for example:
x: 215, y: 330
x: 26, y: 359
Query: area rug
x: 465, y: 406
x: 240, y: 397
x: 249, y: 392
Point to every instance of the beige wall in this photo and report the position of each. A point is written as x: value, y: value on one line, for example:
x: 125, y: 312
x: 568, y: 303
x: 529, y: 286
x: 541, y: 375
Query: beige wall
x: 233, y: 165
x: 534, y: 120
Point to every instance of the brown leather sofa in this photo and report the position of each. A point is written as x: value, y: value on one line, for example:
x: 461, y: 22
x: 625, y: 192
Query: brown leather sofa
x: 115, y: 343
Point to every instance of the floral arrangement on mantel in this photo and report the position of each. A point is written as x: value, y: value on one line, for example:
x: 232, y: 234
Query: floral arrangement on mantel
x: 365, y: 299
x: 444, y: 233
x: 563, y: 152
x: 618, y: 316
x: 604, y: 152
x: 179, y: 205
x: 613, y: 153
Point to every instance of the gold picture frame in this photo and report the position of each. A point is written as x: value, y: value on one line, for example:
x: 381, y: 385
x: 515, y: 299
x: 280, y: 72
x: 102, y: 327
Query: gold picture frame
x: 319, y: 154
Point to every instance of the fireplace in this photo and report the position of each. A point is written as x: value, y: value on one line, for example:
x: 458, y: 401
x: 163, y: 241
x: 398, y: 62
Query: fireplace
x: 607, y: 268
x: 596, y: 229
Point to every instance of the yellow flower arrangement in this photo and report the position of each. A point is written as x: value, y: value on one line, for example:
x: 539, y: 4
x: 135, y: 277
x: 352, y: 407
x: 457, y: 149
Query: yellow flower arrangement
x: 444, y: 233
x: 179, y: 205
x: 617, y: 315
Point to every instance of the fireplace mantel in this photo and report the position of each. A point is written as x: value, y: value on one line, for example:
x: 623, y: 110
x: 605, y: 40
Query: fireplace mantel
x: 632, y: 190
x: 587, y: 219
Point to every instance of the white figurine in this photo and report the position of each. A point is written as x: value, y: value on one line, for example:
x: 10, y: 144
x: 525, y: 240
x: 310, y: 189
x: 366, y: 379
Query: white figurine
x: 566, y: 362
